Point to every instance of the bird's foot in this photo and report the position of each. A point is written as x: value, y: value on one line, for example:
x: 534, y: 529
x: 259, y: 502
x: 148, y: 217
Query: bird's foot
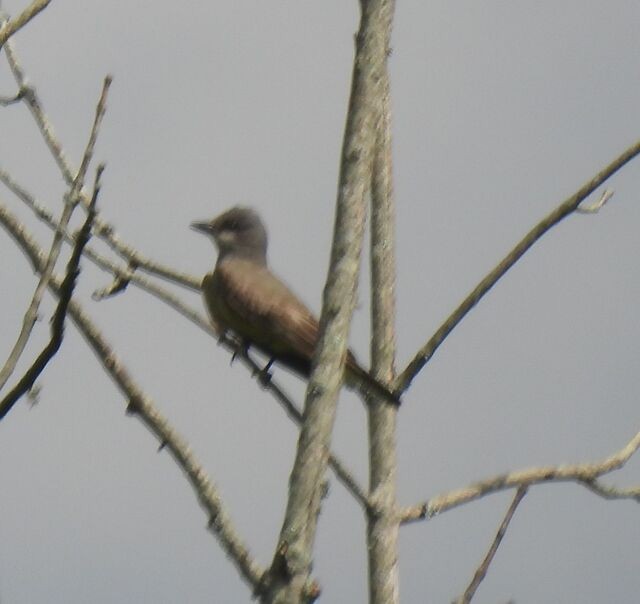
x: 264, y: 375
x: 242, y: 349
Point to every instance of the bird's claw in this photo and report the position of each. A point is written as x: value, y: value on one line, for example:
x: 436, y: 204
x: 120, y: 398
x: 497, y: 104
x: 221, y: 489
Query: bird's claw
x: 264, y: 375
x: 242, y: 349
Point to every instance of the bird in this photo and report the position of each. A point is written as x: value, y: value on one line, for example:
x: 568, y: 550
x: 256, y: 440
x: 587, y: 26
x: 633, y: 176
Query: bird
x: 244, y: 297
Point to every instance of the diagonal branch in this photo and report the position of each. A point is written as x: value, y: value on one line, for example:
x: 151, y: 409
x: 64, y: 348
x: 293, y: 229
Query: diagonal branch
x: 57, y: 324
x: 141, y: 405
x: 481, y: 571
x: 562, y: 211
x: 10, y: 27
x: 585, y: 474
x: 128, y: 274
x: 102, y: 229
x: 70, y: 204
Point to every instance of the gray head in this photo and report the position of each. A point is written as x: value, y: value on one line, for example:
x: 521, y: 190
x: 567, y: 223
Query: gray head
x: 238, y: 231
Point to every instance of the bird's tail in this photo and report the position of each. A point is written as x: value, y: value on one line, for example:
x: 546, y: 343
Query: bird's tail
x: 358, y: 378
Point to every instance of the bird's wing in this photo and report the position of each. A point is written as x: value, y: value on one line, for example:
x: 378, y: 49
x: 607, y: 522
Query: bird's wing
x: 251, y: 301
x: 254, y: 303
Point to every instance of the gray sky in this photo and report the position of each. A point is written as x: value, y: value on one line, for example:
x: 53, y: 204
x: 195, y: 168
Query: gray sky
x: 501, y: 109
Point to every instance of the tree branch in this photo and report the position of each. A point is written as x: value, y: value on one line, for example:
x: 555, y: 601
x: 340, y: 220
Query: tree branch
x: 102, y: 229
x: 382, y: 521
x: 57, y: 324
x: 10, y: 27
x: 562, y: 211
x: 481, y: 571
x: 585, y: 474
x: 70, y: 204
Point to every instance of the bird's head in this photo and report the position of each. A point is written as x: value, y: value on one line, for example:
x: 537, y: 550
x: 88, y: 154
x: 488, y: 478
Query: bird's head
x: 238, y: 231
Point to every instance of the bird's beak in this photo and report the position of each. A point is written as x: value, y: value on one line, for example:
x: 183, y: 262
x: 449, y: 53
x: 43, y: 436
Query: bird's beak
x: 202, y: 227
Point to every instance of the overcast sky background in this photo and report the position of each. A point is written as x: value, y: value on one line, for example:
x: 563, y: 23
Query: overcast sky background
x: 500, y: 110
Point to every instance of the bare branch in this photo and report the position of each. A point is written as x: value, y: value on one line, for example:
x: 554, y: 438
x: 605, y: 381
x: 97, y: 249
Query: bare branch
x: 102, y: 229
x: 57, y: 324
x: 382, y: 521
x: 596, y: 206
x: 342, y: 473
x: 585, y: 474
x: 609, y: 492
x: 9, y: 28
x: 291, y: 566
x: 70, y: 204
x: 562, y: 211
x: 35, y: 107
x: 481, y: 572
x: 5, y: 101
x: 141, y: 405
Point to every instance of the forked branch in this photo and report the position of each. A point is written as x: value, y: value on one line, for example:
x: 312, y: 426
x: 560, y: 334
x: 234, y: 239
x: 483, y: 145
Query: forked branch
x: 10, y: 27
x: 567, y: 207
x: 585, y: 474
x: 64, y: 298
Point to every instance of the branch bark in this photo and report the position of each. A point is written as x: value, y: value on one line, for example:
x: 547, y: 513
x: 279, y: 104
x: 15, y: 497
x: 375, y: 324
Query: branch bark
x: 57, y: 324
x: 102, y: 229
x: 10, y: 27
x: 289, y: 579
x: 481, y: 571
x: 585, y: 474
x: 382, y: 521
x: 69, y: 206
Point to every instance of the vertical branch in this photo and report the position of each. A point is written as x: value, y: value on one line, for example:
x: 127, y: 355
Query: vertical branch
x: 382, y: 521
x: 290, y: 571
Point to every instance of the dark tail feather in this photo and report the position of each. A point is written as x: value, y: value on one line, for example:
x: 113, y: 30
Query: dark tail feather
x: 357, y: 377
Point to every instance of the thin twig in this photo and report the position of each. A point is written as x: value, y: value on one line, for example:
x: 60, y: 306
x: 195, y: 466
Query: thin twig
x: 102, y: 229
x: 585, y: 474
x: 64, y: 298
x: 596, y: 206
x: 119, y: 272
x: 10, y: 27
x: 562, y: 211
x: 35, y: 107
x: 141, y: 405
x: 5, y: 101
x: 69, y: 206
x: 481, y: 571
x: 345, y: 476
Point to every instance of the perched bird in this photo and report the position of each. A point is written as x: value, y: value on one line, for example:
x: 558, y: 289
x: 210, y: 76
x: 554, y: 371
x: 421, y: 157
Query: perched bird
x: 242, y: 295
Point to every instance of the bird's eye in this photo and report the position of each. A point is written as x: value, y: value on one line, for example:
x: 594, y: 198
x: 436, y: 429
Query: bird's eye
x: 236, y: 224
